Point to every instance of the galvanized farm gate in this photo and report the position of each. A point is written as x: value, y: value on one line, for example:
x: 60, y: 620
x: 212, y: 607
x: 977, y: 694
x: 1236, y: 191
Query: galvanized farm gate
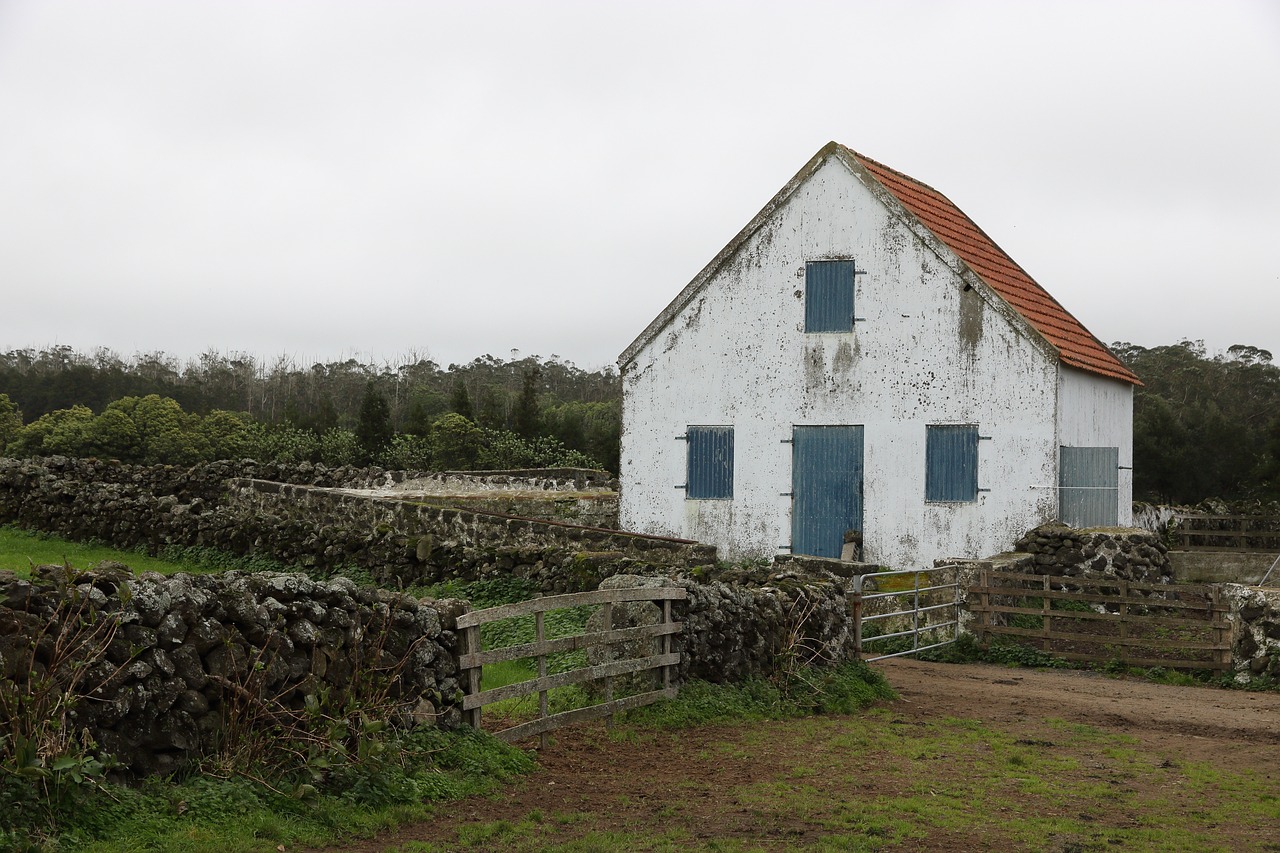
x: 475, y: 657
x: 928, y: 607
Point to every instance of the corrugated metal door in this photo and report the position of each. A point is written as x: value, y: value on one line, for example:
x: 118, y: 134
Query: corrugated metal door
x: 1089, y: 486
x: 826, y: 486
x: 828, y: 296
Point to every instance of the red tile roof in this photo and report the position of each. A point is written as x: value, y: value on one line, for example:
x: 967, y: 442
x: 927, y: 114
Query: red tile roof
x: 1076, y: 346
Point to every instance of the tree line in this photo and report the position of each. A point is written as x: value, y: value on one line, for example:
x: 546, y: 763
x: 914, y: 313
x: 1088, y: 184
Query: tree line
x: 489, y: 413
x: 1204, y: 425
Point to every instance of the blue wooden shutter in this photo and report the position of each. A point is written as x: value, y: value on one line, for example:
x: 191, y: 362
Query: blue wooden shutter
x: 1089, y: 486
x: 951, y: 463
x: 710, y: 475
x: 828, y: 296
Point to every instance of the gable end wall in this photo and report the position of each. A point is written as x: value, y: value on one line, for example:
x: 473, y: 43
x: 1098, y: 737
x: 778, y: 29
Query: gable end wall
x: 928, y: 352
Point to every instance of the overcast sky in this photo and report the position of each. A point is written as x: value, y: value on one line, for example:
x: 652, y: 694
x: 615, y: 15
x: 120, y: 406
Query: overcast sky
x: 327, y: 179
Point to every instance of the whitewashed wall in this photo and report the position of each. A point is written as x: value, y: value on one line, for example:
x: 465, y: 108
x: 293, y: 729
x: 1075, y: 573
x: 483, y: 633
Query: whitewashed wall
x: 928, y: 352
x: 1098, y: 412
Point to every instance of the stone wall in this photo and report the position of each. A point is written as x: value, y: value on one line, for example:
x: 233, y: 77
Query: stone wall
x: 317, y: 526
x: 748, y: 624
x: 1255, y: 617
x: 162, y: 662
x: 401, y: 542
x: 523, y: 479
x: 1100, y: 552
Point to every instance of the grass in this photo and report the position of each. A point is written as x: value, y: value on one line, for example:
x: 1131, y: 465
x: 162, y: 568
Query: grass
x: 224, y: 815
x: 878, y: 781
x: 246, y: 813
x: 20, y: 550
x: 515, y: 631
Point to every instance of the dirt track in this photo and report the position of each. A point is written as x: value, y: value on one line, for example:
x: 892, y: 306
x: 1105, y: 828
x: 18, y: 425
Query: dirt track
x: 687, y: 780
x: 1207, y: 724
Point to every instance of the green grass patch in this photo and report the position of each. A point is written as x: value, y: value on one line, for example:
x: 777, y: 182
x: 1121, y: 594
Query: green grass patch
x: 845, y: 689
x: 20, y: 550
x: 207, y: 813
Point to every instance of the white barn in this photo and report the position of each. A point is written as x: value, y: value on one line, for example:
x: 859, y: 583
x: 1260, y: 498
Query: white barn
x: 862, y: 357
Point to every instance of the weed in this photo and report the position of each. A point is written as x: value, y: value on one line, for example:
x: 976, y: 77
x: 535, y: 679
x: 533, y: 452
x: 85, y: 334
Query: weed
x: 52, y: 663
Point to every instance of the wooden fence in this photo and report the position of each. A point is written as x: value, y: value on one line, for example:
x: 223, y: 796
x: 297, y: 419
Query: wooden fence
x: 1180, y: 626
x: 475, y: 657
x: 1197, y: 532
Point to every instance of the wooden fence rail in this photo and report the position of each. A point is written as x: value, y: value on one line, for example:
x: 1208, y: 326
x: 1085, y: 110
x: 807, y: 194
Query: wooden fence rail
x: 1139, y: 624
x: 475, y: 657
x: 1202, y: 532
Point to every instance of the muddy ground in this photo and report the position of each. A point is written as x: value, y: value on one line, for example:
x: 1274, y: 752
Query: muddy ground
x: 693, y: 781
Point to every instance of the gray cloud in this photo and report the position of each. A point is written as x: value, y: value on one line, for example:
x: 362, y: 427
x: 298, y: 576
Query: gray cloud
x: 323, y: 178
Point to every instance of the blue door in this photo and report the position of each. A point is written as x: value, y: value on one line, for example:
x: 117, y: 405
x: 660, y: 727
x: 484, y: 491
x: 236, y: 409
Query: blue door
x: 826, y: 486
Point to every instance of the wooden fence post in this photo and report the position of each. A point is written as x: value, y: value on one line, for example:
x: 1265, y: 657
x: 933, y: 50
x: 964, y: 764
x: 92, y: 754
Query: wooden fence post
x: 540, y: 635
x: 1046, y: 620
x: 666, y: 643
x: 472, y: 645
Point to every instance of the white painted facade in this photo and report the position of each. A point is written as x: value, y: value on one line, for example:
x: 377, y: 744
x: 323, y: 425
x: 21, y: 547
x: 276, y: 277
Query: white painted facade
x: 1098, y: 412
x: 932, y: 345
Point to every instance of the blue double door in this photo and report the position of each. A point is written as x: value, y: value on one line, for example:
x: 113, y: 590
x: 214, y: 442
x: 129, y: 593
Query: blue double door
x: 826, y: 488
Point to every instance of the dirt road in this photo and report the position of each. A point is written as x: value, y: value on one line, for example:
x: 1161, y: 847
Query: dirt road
x: 736, y: 785
x: 1205, y: 724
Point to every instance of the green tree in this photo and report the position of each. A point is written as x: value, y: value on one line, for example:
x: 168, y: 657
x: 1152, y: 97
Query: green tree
x: 10, y: 421
x: 227, y: 435
x: 113, y: 435
x: 374, y: 428
x: 166, y: 434
x: 457, y: 442
x: 528, y: 421
x: 1201, y: 422
x: 340, y: 447
x: 460, y: 400
x: 60, y: 432
x: 409, y: 453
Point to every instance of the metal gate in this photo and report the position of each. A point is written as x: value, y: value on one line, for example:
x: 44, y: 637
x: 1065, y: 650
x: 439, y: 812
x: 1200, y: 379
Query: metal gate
x: 826, y: 488
x: 927, y: 602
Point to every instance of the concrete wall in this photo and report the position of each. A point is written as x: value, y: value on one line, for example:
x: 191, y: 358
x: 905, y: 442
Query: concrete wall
x: 936, y: 347
x: 1098, y: 412
x: 1242, y: 567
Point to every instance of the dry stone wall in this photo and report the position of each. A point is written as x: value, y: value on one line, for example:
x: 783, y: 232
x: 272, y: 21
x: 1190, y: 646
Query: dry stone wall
x: 400, y: 541
x: 161, y: 663
x: 747, y: 624
x: 1103, y: 552
x: 1255, y: 616
x: 317, y: 526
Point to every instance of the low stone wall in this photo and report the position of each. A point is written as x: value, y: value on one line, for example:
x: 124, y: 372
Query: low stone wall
x: 523, y: 479
x: 1255, y: 617
x: 1098, y: 552
x: 318, y: 527
x: 162, y: 662
x: 748, y: 624
x: 401, y: 542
